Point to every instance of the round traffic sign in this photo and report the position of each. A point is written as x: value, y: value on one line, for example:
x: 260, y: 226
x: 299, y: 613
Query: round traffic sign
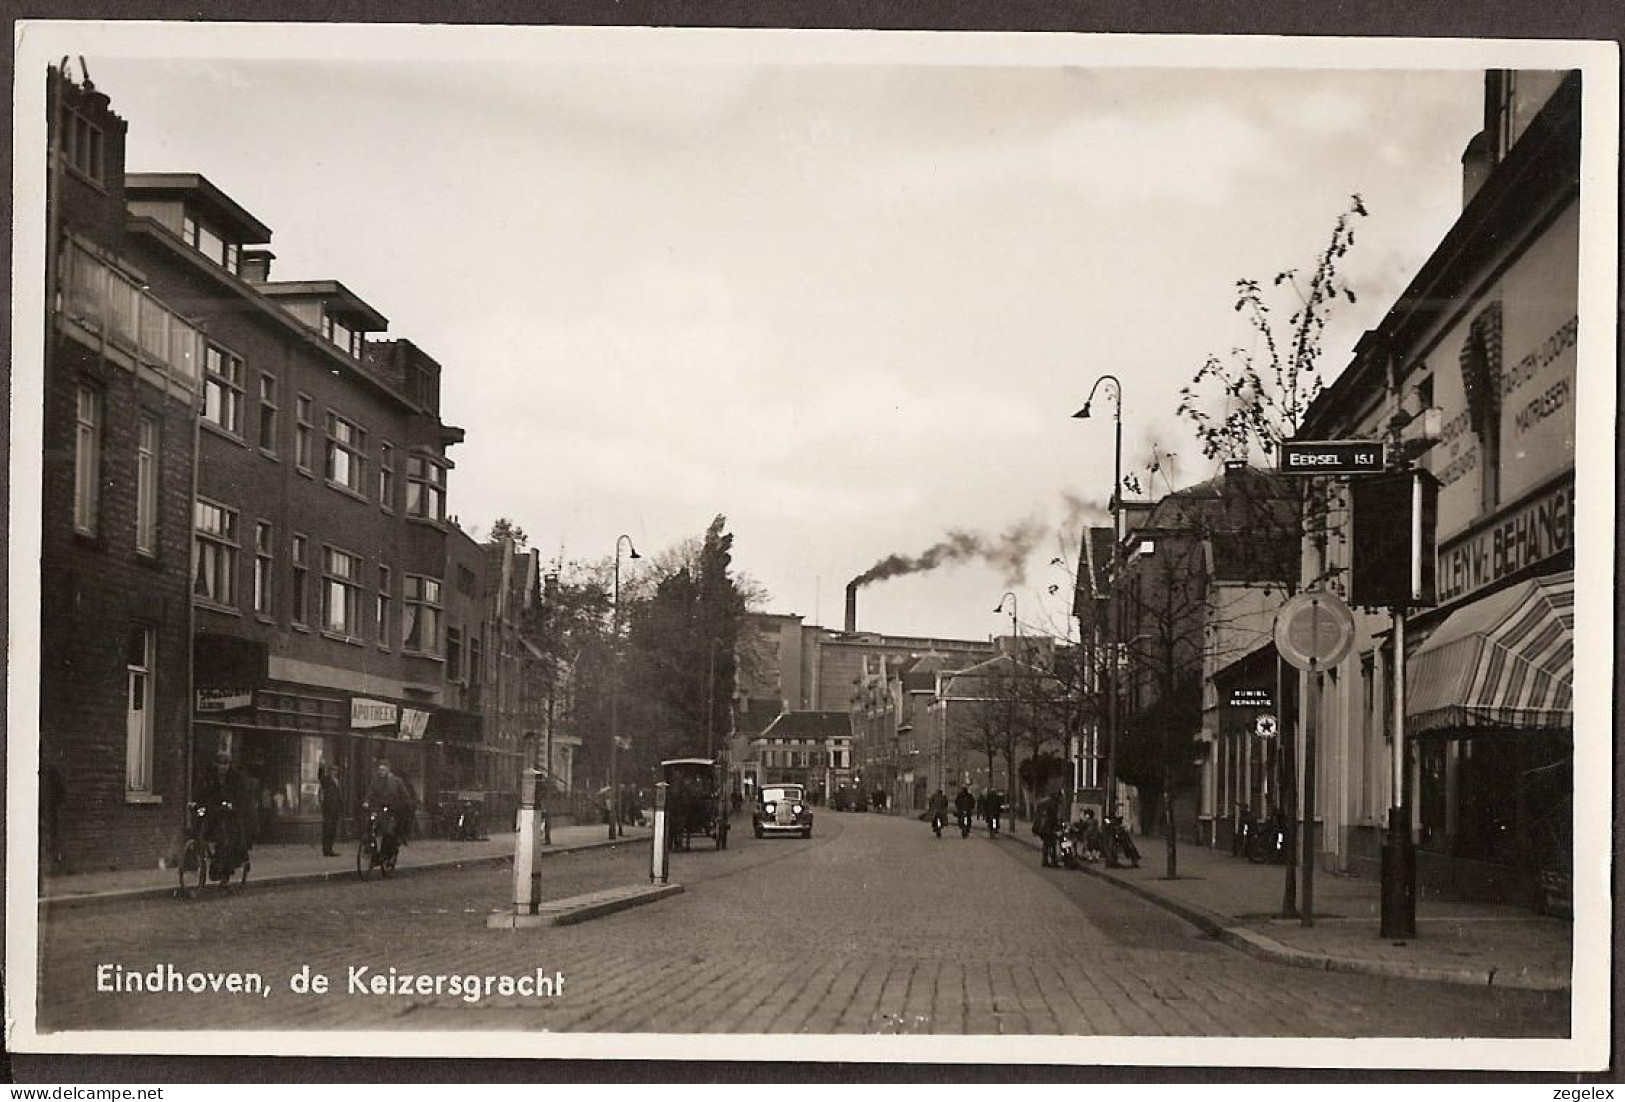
x: 1314, y: 630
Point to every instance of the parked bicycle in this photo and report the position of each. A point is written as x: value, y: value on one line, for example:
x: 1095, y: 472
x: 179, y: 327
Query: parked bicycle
x: 210, y: 857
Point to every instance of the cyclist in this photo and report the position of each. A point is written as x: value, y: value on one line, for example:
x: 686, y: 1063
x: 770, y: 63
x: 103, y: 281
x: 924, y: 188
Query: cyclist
x: 231, y: 799
x: 938, y: 806
x: 964, y: 807
x: 387, y: 794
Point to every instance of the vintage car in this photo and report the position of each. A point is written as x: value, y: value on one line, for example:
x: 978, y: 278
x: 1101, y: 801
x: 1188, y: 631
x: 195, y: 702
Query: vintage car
x: 782, y: 809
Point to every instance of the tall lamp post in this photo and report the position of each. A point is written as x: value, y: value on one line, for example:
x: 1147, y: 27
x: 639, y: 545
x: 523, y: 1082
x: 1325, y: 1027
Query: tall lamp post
x: 615, y: 697
x: 1116, y: 393
x: 1010, y: 700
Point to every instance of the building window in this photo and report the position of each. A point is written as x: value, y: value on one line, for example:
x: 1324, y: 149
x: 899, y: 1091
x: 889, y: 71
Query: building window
x: 87, y: 461
x: 211, y: 244
x: 341, y: 335
x: 346, y: 452
x: 146, y: 486
x: 386, y: 475
x: 304, y: 431
x: 223, y: 389
x: 85, y: 147
x: 476, y: 661
x: 341, y: 595
x: 421, y: 611
x: 215, y: 553
x: 263, y: 561
x: 299, y: 590
x: 268, y: 412
x: 425, y: 488
x: 138, y: 715
x: 383, y: 606
x: 454, y: 654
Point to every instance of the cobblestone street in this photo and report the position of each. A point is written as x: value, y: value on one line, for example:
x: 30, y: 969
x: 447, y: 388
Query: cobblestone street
x: 873, y: 926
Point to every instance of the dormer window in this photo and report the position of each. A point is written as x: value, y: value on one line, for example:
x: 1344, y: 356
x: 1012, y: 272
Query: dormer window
x: 342, y: 335
x: 211, y: 244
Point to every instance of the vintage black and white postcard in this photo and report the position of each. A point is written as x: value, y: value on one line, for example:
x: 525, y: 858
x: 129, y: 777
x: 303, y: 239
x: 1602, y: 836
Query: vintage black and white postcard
x: 811, y: 545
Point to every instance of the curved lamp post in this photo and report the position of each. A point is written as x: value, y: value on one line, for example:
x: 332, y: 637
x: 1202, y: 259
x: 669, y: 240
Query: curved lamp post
x: 1116, y: 394
x: 615, y: 697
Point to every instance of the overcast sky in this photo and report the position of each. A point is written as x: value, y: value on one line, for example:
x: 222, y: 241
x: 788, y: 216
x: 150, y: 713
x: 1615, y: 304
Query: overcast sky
x: 849, y: 306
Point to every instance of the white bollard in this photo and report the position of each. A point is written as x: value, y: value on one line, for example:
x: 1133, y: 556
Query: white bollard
x: 527, y: 886
x: 657, y: 859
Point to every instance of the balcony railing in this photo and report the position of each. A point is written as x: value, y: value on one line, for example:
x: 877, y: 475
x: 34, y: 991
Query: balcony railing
x: 105, y: 303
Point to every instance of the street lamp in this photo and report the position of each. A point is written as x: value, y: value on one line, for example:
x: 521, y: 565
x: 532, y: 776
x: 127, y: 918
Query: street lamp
x: 1010, y: 701
x: 615, y: 697
x: 1111, y: 615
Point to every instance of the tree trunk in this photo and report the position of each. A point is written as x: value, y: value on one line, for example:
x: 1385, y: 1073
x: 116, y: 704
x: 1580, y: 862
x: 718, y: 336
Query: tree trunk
x: 1168, y: 814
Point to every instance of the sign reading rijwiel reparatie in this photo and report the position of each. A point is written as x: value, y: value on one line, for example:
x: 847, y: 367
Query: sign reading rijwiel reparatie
x: 1535, y: 530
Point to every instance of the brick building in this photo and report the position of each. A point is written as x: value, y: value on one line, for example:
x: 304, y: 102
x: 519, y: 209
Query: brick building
x: 121, y: 379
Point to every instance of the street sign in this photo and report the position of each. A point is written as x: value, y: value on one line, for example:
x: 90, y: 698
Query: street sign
x: 1314, y: 630
x: 1251, y: 698
x: 1265, y: 726
x: 1331, y: 457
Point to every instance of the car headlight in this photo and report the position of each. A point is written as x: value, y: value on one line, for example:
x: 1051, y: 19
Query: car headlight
x: 798, y: 809
x: 767, y: 809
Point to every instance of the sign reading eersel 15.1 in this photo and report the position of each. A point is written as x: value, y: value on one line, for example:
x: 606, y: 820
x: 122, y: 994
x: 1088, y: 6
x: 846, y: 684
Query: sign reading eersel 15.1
x: 1331, y: 457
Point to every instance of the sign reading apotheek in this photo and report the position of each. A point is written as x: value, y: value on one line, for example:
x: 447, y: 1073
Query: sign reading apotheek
x: 371, y: 713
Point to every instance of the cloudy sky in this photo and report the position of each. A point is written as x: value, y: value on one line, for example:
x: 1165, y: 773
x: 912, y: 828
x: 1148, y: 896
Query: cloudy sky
x: 851, y: 305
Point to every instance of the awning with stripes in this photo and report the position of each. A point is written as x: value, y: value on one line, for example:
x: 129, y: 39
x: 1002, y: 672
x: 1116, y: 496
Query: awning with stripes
x: 1506, y: 662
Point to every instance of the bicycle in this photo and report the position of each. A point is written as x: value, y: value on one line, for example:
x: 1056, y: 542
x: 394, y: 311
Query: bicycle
x: 207, y: 857
x: 378, y: 847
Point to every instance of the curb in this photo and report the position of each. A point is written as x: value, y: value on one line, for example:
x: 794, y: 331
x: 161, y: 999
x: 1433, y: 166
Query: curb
x: 1263, y: 947
x: 132, y: 895
x: 583, y: 908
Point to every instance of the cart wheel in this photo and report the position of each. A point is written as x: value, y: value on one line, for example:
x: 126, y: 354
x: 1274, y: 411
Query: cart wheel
x: 194, y: 869
x: 363, y: 859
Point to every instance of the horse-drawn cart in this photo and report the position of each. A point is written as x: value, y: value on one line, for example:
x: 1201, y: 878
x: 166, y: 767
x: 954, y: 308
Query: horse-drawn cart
x: 696, y: 800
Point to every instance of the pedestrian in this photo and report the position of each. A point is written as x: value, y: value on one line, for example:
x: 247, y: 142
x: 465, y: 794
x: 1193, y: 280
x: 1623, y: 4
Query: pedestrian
x: 234, y: 795
x: 1046, y: 824
x: 332, y: 798
x: 1090, y: 830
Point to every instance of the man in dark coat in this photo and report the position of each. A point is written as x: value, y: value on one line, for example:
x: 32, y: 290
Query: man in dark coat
x: 1047, y: 825
x: 332, y: 796
x: 387, y: 792
x: 234, y: 796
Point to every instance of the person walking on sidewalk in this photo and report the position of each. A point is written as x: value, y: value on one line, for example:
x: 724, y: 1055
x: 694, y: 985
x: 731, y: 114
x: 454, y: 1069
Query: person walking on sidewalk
x: 332, y: 797
x: 1047, y: 825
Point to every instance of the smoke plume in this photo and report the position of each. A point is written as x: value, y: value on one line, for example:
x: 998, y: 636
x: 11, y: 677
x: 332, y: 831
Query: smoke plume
x: 1007, y: 552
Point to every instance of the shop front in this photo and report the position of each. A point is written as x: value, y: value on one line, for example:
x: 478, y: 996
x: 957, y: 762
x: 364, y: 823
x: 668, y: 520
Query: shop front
x: 1242, y: 773
x: 1489, y: 700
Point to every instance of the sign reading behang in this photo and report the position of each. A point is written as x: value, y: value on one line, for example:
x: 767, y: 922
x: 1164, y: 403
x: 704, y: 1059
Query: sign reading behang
x: 1536, y: 530
x: 371, y: 713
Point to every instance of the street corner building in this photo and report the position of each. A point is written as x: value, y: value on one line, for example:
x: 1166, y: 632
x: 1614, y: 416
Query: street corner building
x: 1473, y: 372
x: 246, y: 536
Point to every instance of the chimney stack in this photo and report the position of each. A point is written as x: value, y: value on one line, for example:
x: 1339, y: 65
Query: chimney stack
x: 852, y: 607
x: 257, y: 265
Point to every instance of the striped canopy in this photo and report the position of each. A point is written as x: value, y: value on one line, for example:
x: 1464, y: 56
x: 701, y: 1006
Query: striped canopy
x: 1505, y: 662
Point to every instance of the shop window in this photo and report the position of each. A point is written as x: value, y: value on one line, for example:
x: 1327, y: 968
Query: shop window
x: 1432, y: 759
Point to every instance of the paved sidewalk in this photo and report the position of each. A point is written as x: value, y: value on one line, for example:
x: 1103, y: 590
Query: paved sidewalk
x: 1240, y: 903
x: 295, y: 864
